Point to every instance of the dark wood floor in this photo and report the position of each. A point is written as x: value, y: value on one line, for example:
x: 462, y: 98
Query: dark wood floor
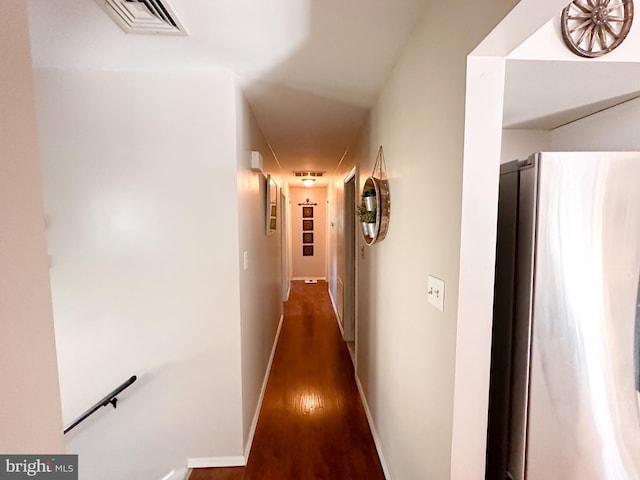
x: 312, y: 424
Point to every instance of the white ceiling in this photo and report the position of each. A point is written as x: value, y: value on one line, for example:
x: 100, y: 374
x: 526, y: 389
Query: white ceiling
x: 547, y: 86
x: 543, y: 95
x: 310, y: 69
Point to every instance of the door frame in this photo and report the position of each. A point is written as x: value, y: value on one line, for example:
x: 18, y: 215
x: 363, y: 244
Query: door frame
x: 350, y: 242
x: 284, y: 227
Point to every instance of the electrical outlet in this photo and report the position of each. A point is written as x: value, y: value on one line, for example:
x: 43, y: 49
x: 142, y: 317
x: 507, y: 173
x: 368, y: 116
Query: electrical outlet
x: 435, y: 292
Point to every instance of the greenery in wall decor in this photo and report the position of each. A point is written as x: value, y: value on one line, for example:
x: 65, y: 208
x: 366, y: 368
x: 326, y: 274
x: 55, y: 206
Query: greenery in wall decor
x: 369, y: 191
x: 367, y: 216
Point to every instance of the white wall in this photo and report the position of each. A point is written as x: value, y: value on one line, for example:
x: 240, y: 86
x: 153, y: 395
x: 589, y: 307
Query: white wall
x: 613, y: 129
x: 547, y: 44
x: 335, y: 247
x: 519, y: 144
x: 482, y: 152
x: 406, y: 350
x: 609, y: 130
x: 30, y: 415
x: 261, y: 282
x: 419, y: 120
x: 140, y: 186
x: 310, y: 266
x: 405, y: 347
x: 336, y: 265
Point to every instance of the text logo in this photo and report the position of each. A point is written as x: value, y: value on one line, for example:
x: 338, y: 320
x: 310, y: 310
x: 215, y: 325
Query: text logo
x: 50, y: 467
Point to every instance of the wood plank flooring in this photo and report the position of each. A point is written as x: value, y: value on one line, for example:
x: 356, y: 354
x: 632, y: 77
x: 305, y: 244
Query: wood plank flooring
x: 312, y: 425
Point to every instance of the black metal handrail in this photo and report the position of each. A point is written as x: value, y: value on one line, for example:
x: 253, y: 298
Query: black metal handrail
x: 109, y: 399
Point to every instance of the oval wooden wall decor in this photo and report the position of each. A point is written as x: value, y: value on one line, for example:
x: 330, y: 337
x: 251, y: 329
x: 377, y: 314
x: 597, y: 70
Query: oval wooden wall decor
x: 592, y: 28
x: 375, y: 204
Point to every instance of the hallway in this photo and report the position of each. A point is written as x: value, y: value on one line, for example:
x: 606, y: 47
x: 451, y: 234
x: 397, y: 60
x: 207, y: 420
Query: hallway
x: 312, y: 424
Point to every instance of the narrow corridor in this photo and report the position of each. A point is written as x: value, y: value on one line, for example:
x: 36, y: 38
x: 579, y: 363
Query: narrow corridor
x: 312, y: 425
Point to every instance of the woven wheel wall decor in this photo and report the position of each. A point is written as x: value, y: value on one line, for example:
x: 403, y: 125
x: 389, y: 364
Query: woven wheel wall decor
x: 592, y: 28
x: 375, y: 203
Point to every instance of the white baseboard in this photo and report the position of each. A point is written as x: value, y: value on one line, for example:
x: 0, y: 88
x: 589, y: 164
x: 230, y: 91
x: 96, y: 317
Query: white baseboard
x: 240, y: 461
x: 324, y: 279
x: 256, y: 415
x: 210, y: 462
x: 335, y: 310
x: 376, y: 439
x: 180, y: 474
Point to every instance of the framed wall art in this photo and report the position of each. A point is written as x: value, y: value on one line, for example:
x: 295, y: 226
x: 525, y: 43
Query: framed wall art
x: 271, y: 205
x: 307, y: 212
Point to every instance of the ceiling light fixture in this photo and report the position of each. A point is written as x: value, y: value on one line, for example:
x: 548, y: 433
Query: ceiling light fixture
x: 308, y: 182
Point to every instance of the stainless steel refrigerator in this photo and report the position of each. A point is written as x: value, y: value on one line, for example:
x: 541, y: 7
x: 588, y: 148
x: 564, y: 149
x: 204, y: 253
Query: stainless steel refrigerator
x: 565, y: 370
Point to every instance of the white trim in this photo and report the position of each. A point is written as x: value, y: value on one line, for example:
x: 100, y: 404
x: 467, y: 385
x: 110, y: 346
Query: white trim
x: 355, y: 174
x: 256, y: 415
x: 339, y: 295
x: 210, y: 462
x: 352, y: 173
x: 335, y: 310
x: 240, y: 461
x: 324, y: 279
x: 180, y: 474
x: 352, y: 352
x: 372, y: 427
x: 284, y: 241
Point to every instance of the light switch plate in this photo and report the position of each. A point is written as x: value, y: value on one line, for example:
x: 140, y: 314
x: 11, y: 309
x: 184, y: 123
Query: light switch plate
x: 245, y: 259
x: 435, y: 292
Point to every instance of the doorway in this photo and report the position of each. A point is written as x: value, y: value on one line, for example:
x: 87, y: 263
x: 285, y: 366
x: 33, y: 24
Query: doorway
x: 349, y: 239
x: 284, y: 226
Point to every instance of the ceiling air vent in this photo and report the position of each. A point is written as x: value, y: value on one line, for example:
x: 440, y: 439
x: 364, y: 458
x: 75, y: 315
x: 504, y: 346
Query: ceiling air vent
x: 144, y: 16
x: 308, y: 174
